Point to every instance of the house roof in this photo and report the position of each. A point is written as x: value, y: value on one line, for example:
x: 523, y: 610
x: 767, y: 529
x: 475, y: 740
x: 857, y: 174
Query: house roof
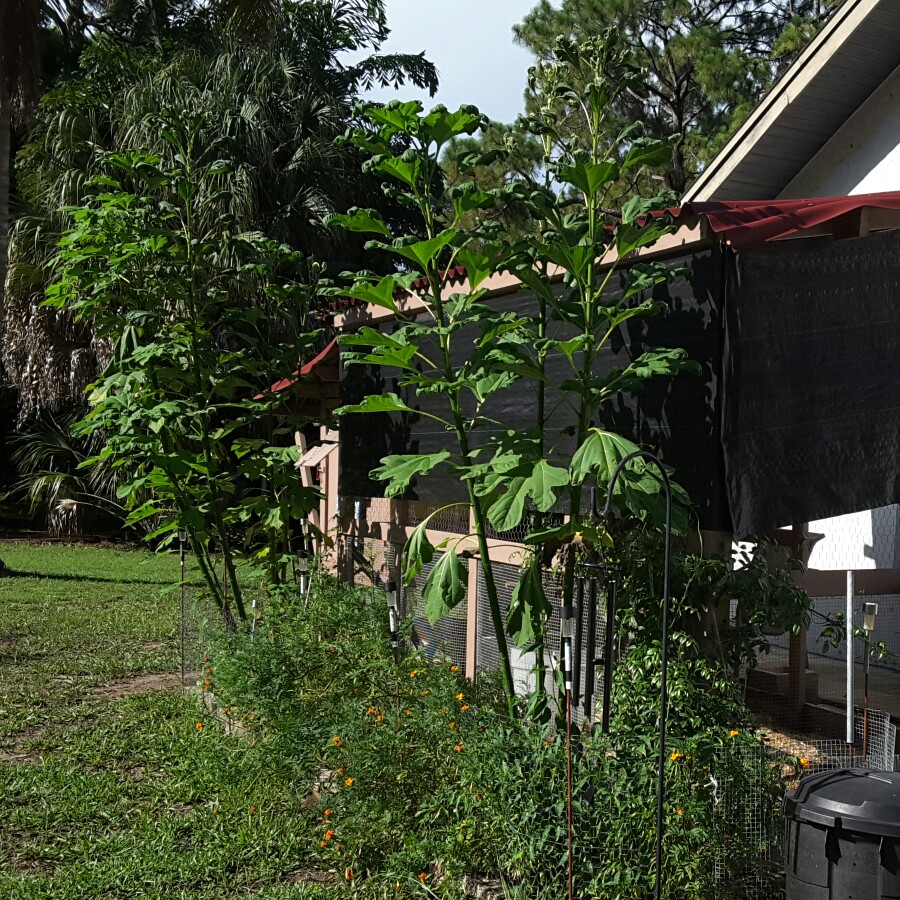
x: 746, y: 223
x: 843, y: 65
x: 323, y: 366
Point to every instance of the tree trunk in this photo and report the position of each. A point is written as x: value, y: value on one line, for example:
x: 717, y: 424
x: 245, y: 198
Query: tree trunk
x: 5, y: 141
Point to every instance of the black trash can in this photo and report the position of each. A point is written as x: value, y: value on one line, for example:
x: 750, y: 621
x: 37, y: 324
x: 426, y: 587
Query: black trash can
x: 843, y: 836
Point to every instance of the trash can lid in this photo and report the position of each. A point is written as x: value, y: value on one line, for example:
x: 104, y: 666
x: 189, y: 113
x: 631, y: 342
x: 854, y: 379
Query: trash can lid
x: 852, y: 799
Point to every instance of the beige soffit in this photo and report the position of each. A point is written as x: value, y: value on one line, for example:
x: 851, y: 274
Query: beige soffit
x: 842, y: 66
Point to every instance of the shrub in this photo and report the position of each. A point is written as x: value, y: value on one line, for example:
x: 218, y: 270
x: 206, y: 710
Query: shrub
x: 414, y: 776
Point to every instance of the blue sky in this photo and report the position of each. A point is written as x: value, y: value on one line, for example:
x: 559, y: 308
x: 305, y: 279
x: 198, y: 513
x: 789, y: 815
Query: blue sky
x: 471, y: 43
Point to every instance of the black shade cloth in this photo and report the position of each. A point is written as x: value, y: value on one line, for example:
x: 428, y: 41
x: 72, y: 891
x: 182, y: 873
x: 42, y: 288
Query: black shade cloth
x: 679, y: 417
x: 811, y: 380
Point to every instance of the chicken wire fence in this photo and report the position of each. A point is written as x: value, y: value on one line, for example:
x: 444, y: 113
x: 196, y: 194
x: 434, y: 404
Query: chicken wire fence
x: 813, y: 732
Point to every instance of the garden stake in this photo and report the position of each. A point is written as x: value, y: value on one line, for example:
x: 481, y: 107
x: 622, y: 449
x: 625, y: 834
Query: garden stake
x: 391, y: 597
x: 663, y: 695
x: 566, y: 630
x: 870, y: 610
x: 182, y: 538
x: 579, y: 640
x: 608, y: 649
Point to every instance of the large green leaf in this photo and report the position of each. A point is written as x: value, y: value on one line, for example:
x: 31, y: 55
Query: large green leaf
x: 529, y: 607
x: 599, y: 455
x: 376, y: 403
x: 508, y: 509
x: 589, y: 177
x: 400, y: 470
x: 445, y: 587
x: 406, y: 170
x: 363, y: 220
x: 441, y: 125
x: 647, y: 152
x: 380, y: 294
x: 423, y: 253
x: 417, y: 552
x: 541, y: 485
x: 478, y: 265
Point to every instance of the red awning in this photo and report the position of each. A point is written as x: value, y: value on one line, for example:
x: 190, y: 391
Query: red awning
x: 746, y: 223
x: 322, y: 366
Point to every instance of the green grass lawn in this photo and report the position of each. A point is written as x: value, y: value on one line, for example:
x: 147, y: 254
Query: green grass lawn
x: 108, y: 789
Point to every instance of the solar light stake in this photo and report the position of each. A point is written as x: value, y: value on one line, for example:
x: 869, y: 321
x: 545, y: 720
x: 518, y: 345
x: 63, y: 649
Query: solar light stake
x: 254, y: 614
x: 663, y: 690
x: 567, y: 634
x: 303, y: 569
x: 390, y: 594
x: 870, y: 611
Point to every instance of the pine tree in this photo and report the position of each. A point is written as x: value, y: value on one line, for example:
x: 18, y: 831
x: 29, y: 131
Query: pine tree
x: 707, y: 62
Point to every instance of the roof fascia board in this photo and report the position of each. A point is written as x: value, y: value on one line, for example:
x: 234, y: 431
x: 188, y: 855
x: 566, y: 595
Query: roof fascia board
x: 846, y: 19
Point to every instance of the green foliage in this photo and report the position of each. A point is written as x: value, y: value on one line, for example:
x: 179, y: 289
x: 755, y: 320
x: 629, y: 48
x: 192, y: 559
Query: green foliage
x: 511, y: 476
x: 271, y: 102
x: 73, y: 499
x: 703, y: 67
x: 374, y: 739
x: 418, y: 773
x: 202, y: 319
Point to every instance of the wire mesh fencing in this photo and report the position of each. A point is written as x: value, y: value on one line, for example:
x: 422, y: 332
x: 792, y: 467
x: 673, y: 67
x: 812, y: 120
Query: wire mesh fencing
x: 446, y: 638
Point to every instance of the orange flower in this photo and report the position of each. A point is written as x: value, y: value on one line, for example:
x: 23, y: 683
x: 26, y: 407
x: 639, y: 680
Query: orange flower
x: 349, y: 874
x: 413, y: 673
x: 379, y: 717
x: 329, y: 834
x: 207, y: 682
x: 327, y: 812
x: 348, y: 782
x: 321, y: 843
x: 252, y: 810
x: 409, y: 712
x: 336, y: 741
x: 733, y: 733
x: 459, y: 696
x: 422, y: 876
x: 674, y: 757
x: 458, y: 748
x: 209, y: 671
x: 371, y: 710
x: 454, y: 668
x: 425, y: 693
x: 680, y: 811
x: 463, y: 708
x: 453, y: 724
x: 199, y: 726
x: 216, y: 811
x: 804, y: 762
x: 340, y: 771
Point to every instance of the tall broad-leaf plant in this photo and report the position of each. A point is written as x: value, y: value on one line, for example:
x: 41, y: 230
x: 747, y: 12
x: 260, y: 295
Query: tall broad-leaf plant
x: 199, y: 319
x: 468, y: 349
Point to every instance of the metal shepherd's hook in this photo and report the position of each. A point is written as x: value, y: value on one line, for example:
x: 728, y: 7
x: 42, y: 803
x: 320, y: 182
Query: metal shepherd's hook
x: 663, y: 691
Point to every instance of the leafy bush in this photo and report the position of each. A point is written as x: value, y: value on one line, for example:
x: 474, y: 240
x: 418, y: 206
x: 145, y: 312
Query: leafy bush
x: 415, y: 777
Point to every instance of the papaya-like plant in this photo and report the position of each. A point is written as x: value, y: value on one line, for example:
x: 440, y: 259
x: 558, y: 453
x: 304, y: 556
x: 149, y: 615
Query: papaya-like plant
x: 464, y: 350
x: 200, y: 318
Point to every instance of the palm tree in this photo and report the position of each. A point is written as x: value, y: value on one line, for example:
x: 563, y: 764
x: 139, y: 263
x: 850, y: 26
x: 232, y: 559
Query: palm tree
x: 270, y: 111
x: 19, y: 74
